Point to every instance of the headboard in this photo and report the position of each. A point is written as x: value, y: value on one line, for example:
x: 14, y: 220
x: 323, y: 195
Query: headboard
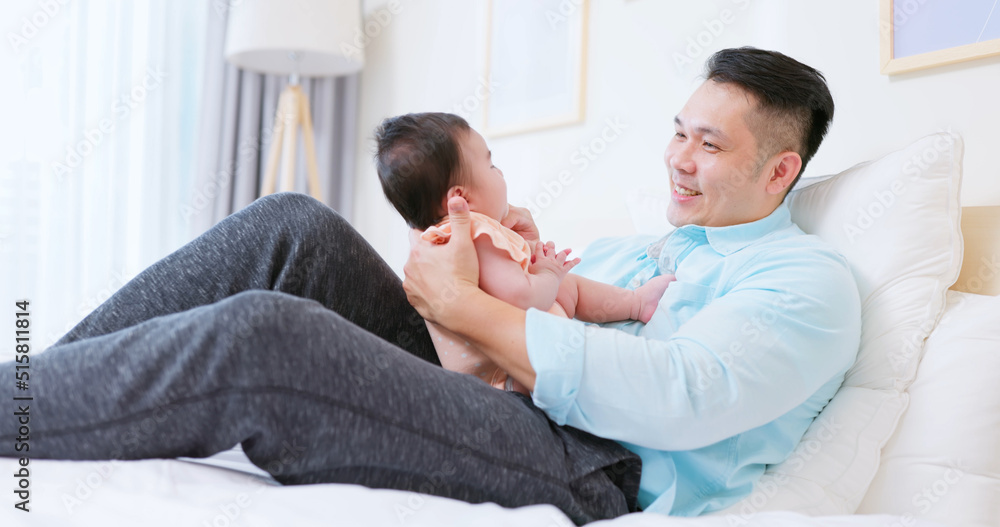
x: 981, y: 264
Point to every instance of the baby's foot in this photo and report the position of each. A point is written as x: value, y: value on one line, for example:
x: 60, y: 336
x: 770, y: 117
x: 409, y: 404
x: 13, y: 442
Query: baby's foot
x: 647, y: 296
x: 500, y: 380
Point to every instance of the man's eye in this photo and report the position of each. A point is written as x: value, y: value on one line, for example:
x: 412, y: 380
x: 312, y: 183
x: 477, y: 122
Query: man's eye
x: 710, y: 145
x: 679, y: 135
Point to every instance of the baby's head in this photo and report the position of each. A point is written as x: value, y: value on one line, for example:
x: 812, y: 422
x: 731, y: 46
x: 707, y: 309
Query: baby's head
x: 423, y: 159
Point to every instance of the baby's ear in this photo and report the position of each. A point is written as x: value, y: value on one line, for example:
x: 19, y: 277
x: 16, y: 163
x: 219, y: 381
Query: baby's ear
x: 457, y: 190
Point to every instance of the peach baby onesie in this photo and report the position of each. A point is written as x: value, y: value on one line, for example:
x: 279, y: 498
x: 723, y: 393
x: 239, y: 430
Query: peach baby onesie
x: 455, y: 353
x: 502, y: 237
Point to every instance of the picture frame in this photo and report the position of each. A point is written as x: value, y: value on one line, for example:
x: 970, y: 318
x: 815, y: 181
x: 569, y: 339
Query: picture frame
x: 536, y: 65
x: 919, y: 34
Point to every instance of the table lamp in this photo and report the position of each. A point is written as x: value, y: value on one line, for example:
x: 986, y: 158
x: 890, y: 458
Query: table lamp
x: 310, y: 38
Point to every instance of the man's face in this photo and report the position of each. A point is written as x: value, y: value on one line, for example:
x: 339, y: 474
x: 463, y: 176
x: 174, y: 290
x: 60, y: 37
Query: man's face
x: 712, y: 161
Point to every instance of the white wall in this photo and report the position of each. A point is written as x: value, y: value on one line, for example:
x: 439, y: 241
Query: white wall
x: 431, y: 55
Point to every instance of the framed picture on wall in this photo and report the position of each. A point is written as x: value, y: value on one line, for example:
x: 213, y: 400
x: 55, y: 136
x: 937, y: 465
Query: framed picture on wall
x: 918, y: 34
x: 536, y: 65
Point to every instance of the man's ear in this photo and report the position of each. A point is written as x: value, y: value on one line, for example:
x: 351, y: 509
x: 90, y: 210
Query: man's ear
x: 784, y: 167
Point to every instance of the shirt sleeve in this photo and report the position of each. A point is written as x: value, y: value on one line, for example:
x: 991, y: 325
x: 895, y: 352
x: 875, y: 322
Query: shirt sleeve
x: 743, y: 360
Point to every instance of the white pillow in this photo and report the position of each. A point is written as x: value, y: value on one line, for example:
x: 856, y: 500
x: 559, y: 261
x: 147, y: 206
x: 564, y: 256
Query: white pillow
x: 896, y: 220
x: 943, y: 463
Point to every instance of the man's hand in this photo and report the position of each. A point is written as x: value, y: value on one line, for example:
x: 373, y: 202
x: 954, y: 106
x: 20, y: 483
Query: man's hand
x: 518, y: 219
x: 546, y: 260
x: 438, y: 276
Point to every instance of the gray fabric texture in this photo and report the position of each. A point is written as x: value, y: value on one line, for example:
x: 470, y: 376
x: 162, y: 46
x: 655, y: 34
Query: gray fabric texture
x: 282, y: 330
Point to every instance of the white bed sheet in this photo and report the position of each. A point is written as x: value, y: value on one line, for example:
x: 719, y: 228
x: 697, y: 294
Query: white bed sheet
x: 171, y: 493
x: 226, y: 490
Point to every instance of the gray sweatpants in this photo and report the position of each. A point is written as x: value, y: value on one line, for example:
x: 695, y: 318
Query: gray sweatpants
x: 281, y: 329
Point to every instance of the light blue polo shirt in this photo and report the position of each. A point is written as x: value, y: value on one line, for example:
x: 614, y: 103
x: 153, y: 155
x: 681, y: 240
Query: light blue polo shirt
x: 744, y: 350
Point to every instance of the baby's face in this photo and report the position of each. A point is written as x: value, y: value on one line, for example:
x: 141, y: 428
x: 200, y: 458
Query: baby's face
x: 486, y: 190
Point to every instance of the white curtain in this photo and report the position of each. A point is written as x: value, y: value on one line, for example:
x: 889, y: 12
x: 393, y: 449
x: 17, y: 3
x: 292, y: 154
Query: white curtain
x: 101, y: 107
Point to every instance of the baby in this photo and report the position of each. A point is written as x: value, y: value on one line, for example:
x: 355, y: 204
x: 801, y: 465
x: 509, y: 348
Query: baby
x: 423, y: 160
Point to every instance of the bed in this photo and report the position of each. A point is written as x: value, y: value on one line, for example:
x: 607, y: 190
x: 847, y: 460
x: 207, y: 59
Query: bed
x: 912, y: 438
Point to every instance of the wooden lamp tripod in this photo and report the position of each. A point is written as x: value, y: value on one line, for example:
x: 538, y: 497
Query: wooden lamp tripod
x: 290, y: 38
x: 293, y: 110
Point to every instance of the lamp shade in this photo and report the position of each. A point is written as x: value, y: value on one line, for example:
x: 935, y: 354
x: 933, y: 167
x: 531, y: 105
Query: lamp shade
x: 260, y: 35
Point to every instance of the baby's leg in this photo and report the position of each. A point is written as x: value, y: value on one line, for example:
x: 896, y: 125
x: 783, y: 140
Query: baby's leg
x: 458, y: 355
x: 599, y: 302
x: 567, y: 297
x: 454, y: 352
x: 558, y: 310
x: 647, y: 296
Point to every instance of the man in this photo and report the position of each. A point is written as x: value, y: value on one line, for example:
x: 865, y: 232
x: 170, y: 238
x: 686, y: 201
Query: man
x: 746, y: 347
x: 280, y: 329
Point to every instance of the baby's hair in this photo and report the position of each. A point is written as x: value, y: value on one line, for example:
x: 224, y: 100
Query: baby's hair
x: 418, y: 159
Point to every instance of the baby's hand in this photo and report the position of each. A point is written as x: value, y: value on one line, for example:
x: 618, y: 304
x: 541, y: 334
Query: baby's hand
x: 647, y: 297
x: 547, y: 260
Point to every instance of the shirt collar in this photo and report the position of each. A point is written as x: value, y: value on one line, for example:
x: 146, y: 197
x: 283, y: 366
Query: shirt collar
x: 731, y: 238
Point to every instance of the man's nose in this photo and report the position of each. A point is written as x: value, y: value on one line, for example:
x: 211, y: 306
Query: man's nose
x: 678, y: 157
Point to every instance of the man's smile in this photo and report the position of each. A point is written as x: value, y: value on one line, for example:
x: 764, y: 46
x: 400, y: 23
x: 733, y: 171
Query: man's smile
x: 683, y: 193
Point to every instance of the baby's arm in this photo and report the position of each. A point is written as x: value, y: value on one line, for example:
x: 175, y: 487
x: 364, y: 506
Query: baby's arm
x: 592, y: 301
x: 503, y: 278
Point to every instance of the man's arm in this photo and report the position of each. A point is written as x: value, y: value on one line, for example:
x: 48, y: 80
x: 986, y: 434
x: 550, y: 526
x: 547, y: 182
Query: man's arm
x: 742, y: 361
x: 497, y: 329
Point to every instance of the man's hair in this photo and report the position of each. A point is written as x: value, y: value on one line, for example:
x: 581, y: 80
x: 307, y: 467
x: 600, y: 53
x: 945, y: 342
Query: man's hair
x: 418, y: 159
x: 793, y: 103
